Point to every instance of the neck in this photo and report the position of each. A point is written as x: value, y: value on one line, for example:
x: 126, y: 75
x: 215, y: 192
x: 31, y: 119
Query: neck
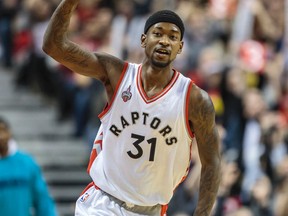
x: 154, y: 77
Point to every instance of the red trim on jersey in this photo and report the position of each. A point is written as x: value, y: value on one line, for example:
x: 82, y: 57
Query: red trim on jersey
x: 187, y: 110
x: 91, y: 184
x: 92, y: 158
x: 164, y: 210
x: 108, y: 106
x: 94, y: 152
x: 98, y: 142
x: 187, y: 170
x: 160, y: 94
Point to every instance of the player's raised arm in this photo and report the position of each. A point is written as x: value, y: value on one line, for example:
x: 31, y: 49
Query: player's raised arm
x: 57, y: 45
x: 202, y: 118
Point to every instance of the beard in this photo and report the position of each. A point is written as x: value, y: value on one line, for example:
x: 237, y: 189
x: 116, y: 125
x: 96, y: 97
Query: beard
x: 160, y: 64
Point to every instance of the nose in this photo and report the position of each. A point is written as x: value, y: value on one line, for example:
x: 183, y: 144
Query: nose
x: 164, y: 40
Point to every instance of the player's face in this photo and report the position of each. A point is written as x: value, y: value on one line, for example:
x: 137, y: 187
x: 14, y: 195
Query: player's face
x: 4, y: 138
x: 162, y: 43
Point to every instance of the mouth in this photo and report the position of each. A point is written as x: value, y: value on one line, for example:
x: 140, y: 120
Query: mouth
x: 163, y: 51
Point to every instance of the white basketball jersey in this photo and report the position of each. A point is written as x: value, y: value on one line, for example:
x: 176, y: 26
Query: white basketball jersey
x: 142, y: 150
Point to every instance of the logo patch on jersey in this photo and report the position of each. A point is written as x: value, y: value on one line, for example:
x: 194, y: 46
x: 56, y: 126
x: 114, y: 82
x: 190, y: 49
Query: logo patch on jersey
x: 126, y: 95
x: 84, y: 197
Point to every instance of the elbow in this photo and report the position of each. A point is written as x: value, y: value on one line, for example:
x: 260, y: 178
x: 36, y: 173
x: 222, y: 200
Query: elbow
x: 51, y: 49
x: 46, y: 47
x: 49, y: 45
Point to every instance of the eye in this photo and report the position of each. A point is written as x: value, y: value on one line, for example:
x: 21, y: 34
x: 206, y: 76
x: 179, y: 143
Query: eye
x: 173, y: 37
x: 157, y: 34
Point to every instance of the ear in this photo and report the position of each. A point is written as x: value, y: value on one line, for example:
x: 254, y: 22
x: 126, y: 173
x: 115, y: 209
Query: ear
x: 143, y: 40
x: 180, y: 47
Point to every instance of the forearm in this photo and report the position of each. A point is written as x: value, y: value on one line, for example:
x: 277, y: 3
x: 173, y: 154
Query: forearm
x: 58, y: 46
x: 56, y: 32
x: 209, y: 183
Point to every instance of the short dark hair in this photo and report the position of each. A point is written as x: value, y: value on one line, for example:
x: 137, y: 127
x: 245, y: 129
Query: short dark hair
x: 165, y: 16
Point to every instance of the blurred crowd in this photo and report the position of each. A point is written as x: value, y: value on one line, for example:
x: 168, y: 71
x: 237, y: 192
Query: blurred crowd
x: 236, y: 50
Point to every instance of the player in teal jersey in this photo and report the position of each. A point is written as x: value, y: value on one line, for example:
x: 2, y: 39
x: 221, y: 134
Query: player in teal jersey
x: 23, y: 191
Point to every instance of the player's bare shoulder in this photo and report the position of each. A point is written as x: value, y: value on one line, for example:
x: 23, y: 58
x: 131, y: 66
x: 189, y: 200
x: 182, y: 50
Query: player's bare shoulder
x: 113, y: 68
x: 201, y: 109
x: 112, y: 65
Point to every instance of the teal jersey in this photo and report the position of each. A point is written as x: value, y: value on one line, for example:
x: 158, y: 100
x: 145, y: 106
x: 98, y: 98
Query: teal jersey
x: 23, y: 191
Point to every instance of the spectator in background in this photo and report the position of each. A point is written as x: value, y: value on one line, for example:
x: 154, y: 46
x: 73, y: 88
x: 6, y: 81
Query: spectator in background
x: 243, y: 211
x: 273, y: 142
x: 281, y: 190
x: 261, y: 199
x: 28, y: 72
x: 8, y: 10
x: 228, y: 199
x: 232, y: 88
x: 253, y: 108
x: 121, y: 22
x: 23, y: 191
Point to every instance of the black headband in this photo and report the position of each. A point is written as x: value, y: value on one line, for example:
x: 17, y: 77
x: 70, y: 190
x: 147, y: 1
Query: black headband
x: 165, y: 16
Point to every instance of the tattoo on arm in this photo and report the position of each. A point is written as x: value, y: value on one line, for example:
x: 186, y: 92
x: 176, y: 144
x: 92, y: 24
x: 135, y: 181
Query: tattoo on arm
x: 209, y: 183
x: 208, y: 145
x: 77, y: 56
x: 60, y: 21
x: 56, y: 38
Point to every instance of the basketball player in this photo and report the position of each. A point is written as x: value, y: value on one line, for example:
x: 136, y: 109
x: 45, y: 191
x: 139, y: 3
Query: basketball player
x: 143, y: 148
x: 23, y: 189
